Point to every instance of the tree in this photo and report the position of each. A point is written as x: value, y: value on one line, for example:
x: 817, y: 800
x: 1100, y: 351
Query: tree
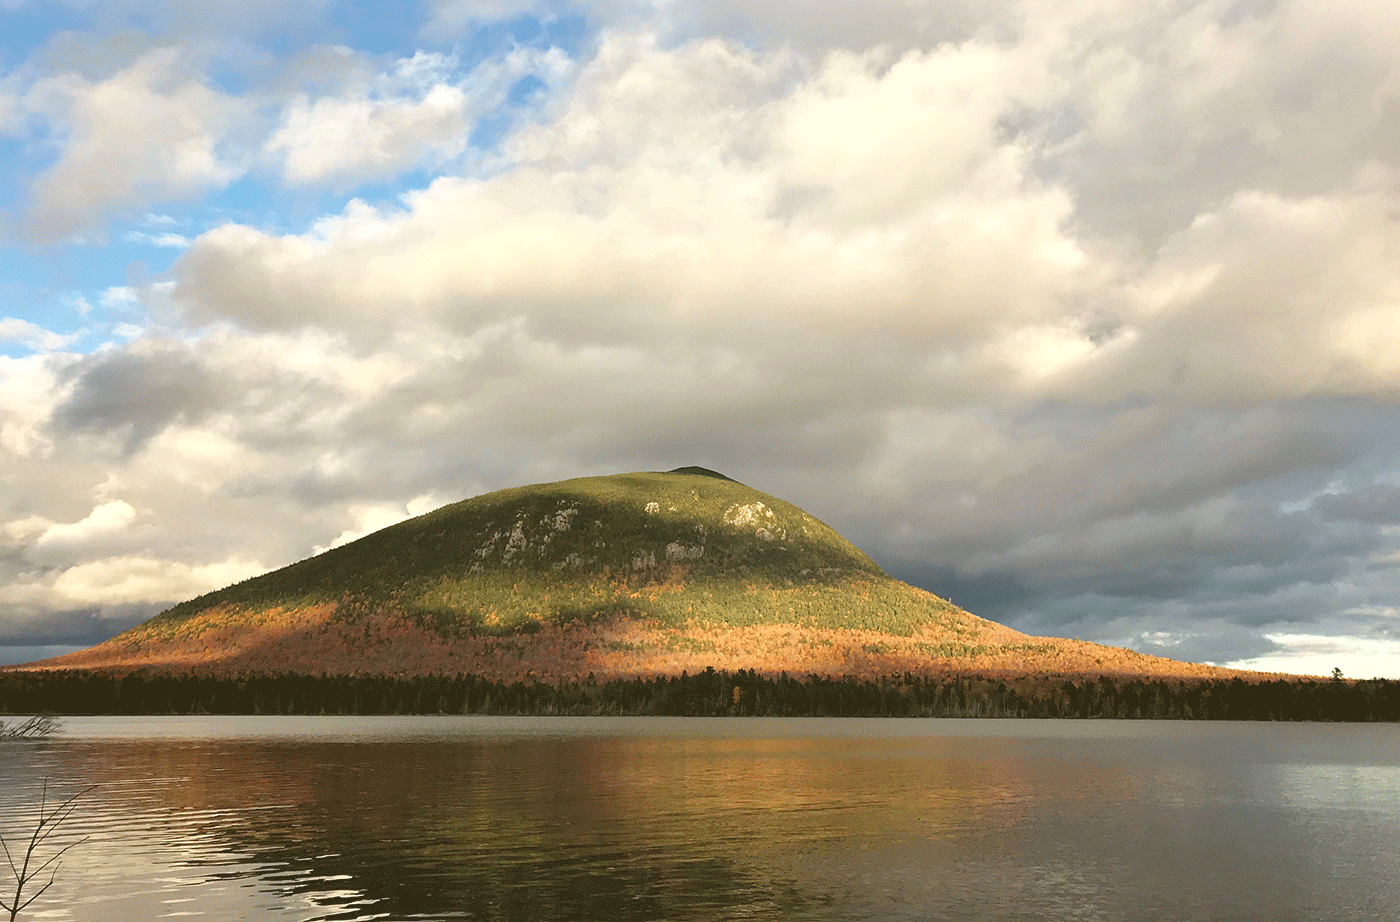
x: 27, y: 871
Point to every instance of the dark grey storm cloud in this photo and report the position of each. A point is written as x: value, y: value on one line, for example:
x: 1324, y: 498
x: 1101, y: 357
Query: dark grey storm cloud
x: 136, y: 393
x: 83, y: 627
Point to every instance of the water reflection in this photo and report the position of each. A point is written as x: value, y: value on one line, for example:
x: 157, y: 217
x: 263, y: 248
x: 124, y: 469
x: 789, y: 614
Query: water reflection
x: 701, y: 826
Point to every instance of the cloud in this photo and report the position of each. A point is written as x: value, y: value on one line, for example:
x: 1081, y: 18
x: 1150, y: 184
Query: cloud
x: 406, y: 115
x: 1313, y: 654
x: 153, y: 131
x: 120, y: 582
x: 826, y: 24
x: 134, y: 393
x: 1270, y: 297
x: 29, y: 653
x: 105, y: 520
x: 30, y: 388
x: 129, y: 122
x: 371, y: 518
x: 830, y: 199
x: 171, y: 240
x: 366, y: 137
x: 1191, y: 104
x: 1378, y: 503
x: 666, y: 188
x: 419, y: 111
x: 12, y: 329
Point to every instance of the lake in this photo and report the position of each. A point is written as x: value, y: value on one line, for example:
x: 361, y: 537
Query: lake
x: 548, y: 819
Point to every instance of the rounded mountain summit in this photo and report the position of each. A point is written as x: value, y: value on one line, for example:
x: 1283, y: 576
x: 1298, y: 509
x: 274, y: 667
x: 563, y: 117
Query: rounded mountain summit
x: 627, y: 575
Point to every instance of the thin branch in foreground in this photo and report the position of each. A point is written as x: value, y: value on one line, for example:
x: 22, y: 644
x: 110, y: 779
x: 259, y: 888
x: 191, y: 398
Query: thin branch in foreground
x: 30, y: 869
x: 33, y: 728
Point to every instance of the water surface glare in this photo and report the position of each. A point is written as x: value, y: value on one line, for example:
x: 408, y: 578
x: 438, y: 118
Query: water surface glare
x: 499, y: 818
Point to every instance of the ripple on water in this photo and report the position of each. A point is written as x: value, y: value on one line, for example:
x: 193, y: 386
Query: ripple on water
x: 719, y: 821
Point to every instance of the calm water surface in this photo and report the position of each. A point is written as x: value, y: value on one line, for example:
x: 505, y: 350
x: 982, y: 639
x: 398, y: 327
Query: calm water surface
x: 648, y: 819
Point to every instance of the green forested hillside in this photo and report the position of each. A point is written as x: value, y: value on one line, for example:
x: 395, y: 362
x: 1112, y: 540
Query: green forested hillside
x: 621, y: 577
x: 688, y: 545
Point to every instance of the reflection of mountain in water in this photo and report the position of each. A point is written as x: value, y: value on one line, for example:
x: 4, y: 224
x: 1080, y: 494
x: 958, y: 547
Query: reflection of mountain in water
x: 962, y: 821
x: 543, y: 829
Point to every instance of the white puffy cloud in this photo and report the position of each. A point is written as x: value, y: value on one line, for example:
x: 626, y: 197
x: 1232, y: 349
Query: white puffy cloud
x: 166, y: 239
x: 152, y: 131
x: 420, y: 110
x: 412, y: 112
x: 683, y: 186
x: 352, y: 136
x: 131, y: 123
x: 116, y: 582
x: 30, y: 388
x: 1265, y: 298
x: 105, y: 520
x: 1319, y: 654
x: 13, y: 329
x: 371, y: 518
x: 692, y: 188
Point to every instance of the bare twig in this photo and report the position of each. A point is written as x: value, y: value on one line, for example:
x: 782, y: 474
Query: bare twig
x: 30, y: 869
x: 33, y: 728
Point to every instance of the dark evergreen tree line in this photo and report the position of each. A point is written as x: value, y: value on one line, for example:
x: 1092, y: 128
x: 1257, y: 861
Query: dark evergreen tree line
x: 706, y: 694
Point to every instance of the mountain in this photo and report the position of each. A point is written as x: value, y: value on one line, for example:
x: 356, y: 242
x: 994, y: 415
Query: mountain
x: 618, y: 576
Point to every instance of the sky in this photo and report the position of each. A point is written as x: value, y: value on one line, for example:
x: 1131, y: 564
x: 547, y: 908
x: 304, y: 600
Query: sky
x: 1082, y: 313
